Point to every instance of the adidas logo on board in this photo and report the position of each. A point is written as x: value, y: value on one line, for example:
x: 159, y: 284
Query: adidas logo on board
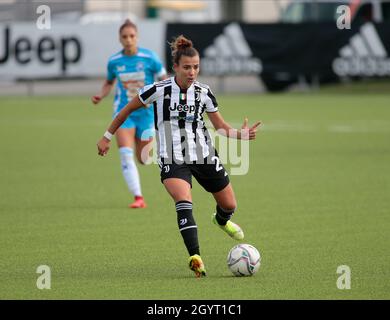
x: 230, y: 54
x: 365, y: 55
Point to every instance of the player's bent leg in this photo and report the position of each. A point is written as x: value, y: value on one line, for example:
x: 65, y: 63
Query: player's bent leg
x: 144, y: 134
x: 125, y: 141
x: 226, y: 198
x: 143, y: 149
x: 226, y: 205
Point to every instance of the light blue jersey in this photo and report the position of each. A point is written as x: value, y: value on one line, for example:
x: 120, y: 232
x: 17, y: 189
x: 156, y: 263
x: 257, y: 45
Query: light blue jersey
x: 133, y: 73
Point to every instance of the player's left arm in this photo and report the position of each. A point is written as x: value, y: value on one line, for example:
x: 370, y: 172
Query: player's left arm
x: 224, y: 128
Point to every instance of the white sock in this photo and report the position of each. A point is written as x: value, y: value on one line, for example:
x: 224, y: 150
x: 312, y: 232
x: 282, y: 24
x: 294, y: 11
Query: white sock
x: 130, y: 171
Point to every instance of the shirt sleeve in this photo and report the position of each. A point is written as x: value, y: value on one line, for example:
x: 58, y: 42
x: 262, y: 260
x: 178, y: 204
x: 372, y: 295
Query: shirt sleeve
x: 211, y: 102
x: 148, y: 94
x: 110, y: 72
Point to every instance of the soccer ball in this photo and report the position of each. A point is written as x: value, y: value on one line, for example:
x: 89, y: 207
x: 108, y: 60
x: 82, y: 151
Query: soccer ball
x: 243, y: 260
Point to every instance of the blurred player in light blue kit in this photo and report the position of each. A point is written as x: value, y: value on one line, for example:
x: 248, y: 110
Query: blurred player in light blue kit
x: 133, y: 68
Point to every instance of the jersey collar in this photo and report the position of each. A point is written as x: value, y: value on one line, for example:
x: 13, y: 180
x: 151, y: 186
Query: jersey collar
x: 175, y: 84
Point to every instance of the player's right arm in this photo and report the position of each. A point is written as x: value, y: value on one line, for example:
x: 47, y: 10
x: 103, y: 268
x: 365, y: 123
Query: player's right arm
x: 104, y: 143
x: 145, y: 97
x: 107, y: 85
x: 104, y: 91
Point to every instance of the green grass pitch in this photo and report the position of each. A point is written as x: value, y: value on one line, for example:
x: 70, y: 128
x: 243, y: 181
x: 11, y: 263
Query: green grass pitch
x: 317, y: 196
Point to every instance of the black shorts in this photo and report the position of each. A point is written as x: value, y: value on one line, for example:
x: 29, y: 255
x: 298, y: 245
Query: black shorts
x: 211, y: 174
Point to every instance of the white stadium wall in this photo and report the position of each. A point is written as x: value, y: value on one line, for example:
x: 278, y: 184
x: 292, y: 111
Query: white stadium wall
x: 67, y: 50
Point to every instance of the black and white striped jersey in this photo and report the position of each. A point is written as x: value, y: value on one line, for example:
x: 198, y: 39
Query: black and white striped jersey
x: 181, y: 133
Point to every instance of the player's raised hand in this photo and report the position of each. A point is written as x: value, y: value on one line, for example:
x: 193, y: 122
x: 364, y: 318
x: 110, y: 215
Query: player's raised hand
x: 96, y: 99
x: 249, y: 133
x: 103, y: 146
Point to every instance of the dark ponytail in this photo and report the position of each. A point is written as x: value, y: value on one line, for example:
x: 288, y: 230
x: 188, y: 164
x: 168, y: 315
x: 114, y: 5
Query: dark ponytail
x: 181, y: 46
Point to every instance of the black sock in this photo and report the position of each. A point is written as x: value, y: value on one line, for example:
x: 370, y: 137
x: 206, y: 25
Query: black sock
x: 223, y: 215
x: 187, y: 226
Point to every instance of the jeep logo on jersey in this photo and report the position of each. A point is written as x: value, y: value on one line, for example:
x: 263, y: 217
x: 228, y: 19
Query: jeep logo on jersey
x: 365, y: 55
x: 230, y: 54
x: 182, y: 107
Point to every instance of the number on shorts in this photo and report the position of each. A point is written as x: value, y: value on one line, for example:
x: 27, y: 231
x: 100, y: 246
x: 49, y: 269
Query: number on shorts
x: 218, y: 166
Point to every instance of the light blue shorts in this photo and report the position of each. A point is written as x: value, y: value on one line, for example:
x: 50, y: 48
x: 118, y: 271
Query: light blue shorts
x: 143, y: 122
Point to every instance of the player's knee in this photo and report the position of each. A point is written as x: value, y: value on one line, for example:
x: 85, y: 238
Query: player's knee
x: 182, y: 195
x: 126, y: 154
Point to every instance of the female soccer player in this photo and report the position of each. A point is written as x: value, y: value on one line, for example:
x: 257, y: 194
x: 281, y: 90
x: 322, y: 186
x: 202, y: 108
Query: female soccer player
x: 184, y: 145
x: 133, y: 67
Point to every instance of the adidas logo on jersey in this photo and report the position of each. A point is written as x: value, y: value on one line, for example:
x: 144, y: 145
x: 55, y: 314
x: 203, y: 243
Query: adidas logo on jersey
x: 230, y: 54
x: 365, y: 55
